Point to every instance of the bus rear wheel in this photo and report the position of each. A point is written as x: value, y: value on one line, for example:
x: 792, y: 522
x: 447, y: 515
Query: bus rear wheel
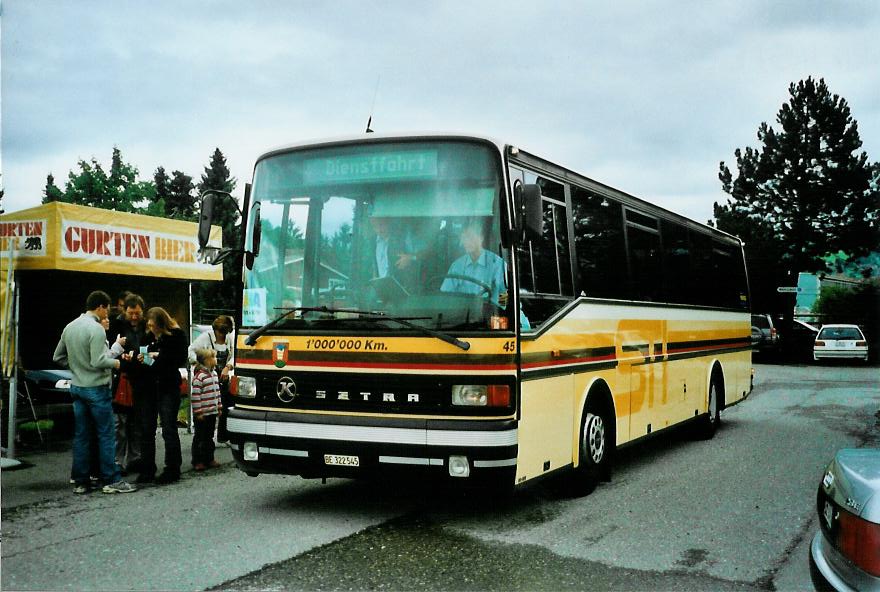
x: 708, y: 424
x: 594, y: 451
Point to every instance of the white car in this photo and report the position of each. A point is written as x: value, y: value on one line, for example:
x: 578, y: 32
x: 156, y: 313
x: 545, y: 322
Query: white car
x: 840, y: 341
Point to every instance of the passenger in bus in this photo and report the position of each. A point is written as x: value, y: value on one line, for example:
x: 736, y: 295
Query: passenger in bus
x: 396, y: 252
x: 387, y: 248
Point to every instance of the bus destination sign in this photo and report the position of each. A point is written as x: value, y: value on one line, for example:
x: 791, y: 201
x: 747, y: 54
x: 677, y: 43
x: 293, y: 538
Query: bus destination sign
x: 411, y: 164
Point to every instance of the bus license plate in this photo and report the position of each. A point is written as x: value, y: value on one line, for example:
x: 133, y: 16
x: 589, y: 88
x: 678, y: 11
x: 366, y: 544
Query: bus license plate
x: 342, y: 460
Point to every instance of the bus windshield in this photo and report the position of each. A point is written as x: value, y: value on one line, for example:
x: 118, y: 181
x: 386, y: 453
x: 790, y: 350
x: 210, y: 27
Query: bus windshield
x: 406, y: 229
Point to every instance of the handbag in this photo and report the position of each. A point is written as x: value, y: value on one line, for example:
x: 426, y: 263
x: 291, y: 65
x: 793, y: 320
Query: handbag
x: 123, y: 396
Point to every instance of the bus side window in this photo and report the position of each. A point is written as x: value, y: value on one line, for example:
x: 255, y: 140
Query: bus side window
x: 599, y: 245
x: 545, y: 265
x: 677, y: 262
x: 645, y: 257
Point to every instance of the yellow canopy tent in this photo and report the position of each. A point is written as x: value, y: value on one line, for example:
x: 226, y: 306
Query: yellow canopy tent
x: 55, y: 254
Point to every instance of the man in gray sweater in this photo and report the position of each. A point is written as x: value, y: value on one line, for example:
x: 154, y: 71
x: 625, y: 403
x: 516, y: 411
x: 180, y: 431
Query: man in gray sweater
x: 83, y: 349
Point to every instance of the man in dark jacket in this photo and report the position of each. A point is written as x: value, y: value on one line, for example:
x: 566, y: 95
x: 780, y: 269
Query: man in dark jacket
x: 129, y: 420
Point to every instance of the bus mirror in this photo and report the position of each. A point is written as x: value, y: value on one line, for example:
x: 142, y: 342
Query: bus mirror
x: 252, y: 248
x: 205, y: 217
x: 533, y: 217
x: 258, y: 231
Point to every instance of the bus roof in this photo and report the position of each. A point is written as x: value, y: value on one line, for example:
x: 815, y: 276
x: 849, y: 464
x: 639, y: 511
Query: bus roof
x: 562, y: 172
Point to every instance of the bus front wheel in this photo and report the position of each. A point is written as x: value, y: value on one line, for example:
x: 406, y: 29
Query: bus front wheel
x: 594, y: 450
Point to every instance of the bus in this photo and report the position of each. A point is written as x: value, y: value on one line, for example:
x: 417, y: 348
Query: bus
x: 455, y: 306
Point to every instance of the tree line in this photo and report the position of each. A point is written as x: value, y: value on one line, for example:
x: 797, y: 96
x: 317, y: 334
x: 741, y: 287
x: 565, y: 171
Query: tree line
x: 174, y: 196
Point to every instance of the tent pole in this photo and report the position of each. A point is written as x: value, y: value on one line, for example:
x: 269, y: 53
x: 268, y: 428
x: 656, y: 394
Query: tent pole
x: 12, y: 430
x: 189, y: 424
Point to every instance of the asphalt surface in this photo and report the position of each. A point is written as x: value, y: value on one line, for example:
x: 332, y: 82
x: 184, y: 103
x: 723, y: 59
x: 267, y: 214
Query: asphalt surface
x: 733, y: 513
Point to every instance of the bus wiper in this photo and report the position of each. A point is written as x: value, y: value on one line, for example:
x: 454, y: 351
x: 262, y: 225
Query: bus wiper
x: 254, y: 335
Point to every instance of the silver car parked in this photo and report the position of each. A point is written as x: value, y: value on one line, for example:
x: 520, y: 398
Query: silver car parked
x: 845, y: 553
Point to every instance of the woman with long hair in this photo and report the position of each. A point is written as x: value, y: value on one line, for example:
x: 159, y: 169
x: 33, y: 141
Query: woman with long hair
x: 166, y: 354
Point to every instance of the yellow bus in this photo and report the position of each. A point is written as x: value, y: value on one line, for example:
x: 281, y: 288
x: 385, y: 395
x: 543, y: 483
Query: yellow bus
x: 454, y: 306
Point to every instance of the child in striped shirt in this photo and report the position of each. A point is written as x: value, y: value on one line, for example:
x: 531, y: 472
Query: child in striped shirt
x: 206, y: 407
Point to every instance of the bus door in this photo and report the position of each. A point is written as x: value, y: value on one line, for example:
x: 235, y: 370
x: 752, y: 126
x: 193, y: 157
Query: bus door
x: 641, y: 348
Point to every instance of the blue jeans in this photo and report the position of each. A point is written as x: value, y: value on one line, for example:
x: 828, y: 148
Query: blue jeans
x: 93, y: 414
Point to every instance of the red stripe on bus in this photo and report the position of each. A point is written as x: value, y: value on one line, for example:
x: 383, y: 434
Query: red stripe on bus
x: 711, y: 347
x: 609, y: 357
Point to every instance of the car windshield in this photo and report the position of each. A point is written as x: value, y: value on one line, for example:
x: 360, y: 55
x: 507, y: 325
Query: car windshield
x: 406, y: 229
x: 840, y: 333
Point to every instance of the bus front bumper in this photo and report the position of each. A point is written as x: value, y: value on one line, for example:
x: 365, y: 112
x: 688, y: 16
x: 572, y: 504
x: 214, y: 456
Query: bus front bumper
x: 314, y: 445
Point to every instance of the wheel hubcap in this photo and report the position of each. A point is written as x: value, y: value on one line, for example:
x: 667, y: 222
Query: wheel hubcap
x: 594, y: 438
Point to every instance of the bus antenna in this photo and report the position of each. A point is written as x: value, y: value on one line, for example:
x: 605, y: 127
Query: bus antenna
x: 373, y: 106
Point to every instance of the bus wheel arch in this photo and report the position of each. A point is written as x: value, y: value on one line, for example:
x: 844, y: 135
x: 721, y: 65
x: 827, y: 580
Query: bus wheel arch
x: 597, y: 440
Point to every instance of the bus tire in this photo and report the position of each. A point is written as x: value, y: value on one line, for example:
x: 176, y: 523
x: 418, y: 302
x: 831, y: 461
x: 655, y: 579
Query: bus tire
x: 708, y: 424
x: 595, y: 448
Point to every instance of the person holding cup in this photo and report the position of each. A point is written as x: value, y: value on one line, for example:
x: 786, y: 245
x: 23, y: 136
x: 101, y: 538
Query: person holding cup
x: 164, y: 354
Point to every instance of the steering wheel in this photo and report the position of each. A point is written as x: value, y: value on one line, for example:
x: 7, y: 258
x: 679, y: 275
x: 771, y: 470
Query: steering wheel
x: 487, y: 289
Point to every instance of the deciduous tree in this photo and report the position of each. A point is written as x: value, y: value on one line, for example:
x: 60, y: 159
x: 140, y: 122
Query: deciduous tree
x: 120, y: 191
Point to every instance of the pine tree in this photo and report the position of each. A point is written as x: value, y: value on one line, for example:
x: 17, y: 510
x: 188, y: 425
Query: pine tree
x: 163, y: 189
x: 217, y: 176
x: 181, y: 203
x: 808, y: 183
x: 117, y: 180
x: 125, y: 192
x: 52, y: 192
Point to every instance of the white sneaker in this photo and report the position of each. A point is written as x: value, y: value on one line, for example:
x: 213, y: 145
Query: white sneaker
x: 119, y: 487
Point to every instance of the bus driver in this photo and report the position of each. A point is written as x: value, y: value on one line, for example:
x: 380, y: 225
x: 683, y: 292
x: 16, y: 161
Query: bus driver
x: 483, y: 266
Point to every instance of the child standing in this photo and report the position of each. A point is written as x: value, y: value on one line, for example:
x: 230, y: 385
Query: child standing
x: 206, y: 406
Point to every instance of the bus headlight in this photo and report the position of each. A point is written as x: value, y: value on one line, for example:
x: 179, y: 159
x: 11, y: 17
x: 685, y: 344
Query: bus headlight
x: 481, y: 395
x: 243, y: 386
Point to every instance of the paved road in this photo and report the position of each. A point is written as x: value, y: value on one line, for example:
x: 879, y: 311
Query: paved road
x: 733, y: 513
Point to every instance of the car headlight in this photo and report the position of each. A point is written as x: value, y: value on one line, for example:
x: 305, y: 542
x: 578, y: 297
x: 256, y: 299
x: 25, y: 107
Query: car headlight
x: 481, y: 395
x: 64, y: 384
x: 243, y: 386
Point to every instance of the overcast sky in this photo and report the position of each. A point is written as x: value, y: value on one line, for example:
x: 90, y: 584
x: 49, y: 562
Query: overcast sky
x: 645, y: 96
